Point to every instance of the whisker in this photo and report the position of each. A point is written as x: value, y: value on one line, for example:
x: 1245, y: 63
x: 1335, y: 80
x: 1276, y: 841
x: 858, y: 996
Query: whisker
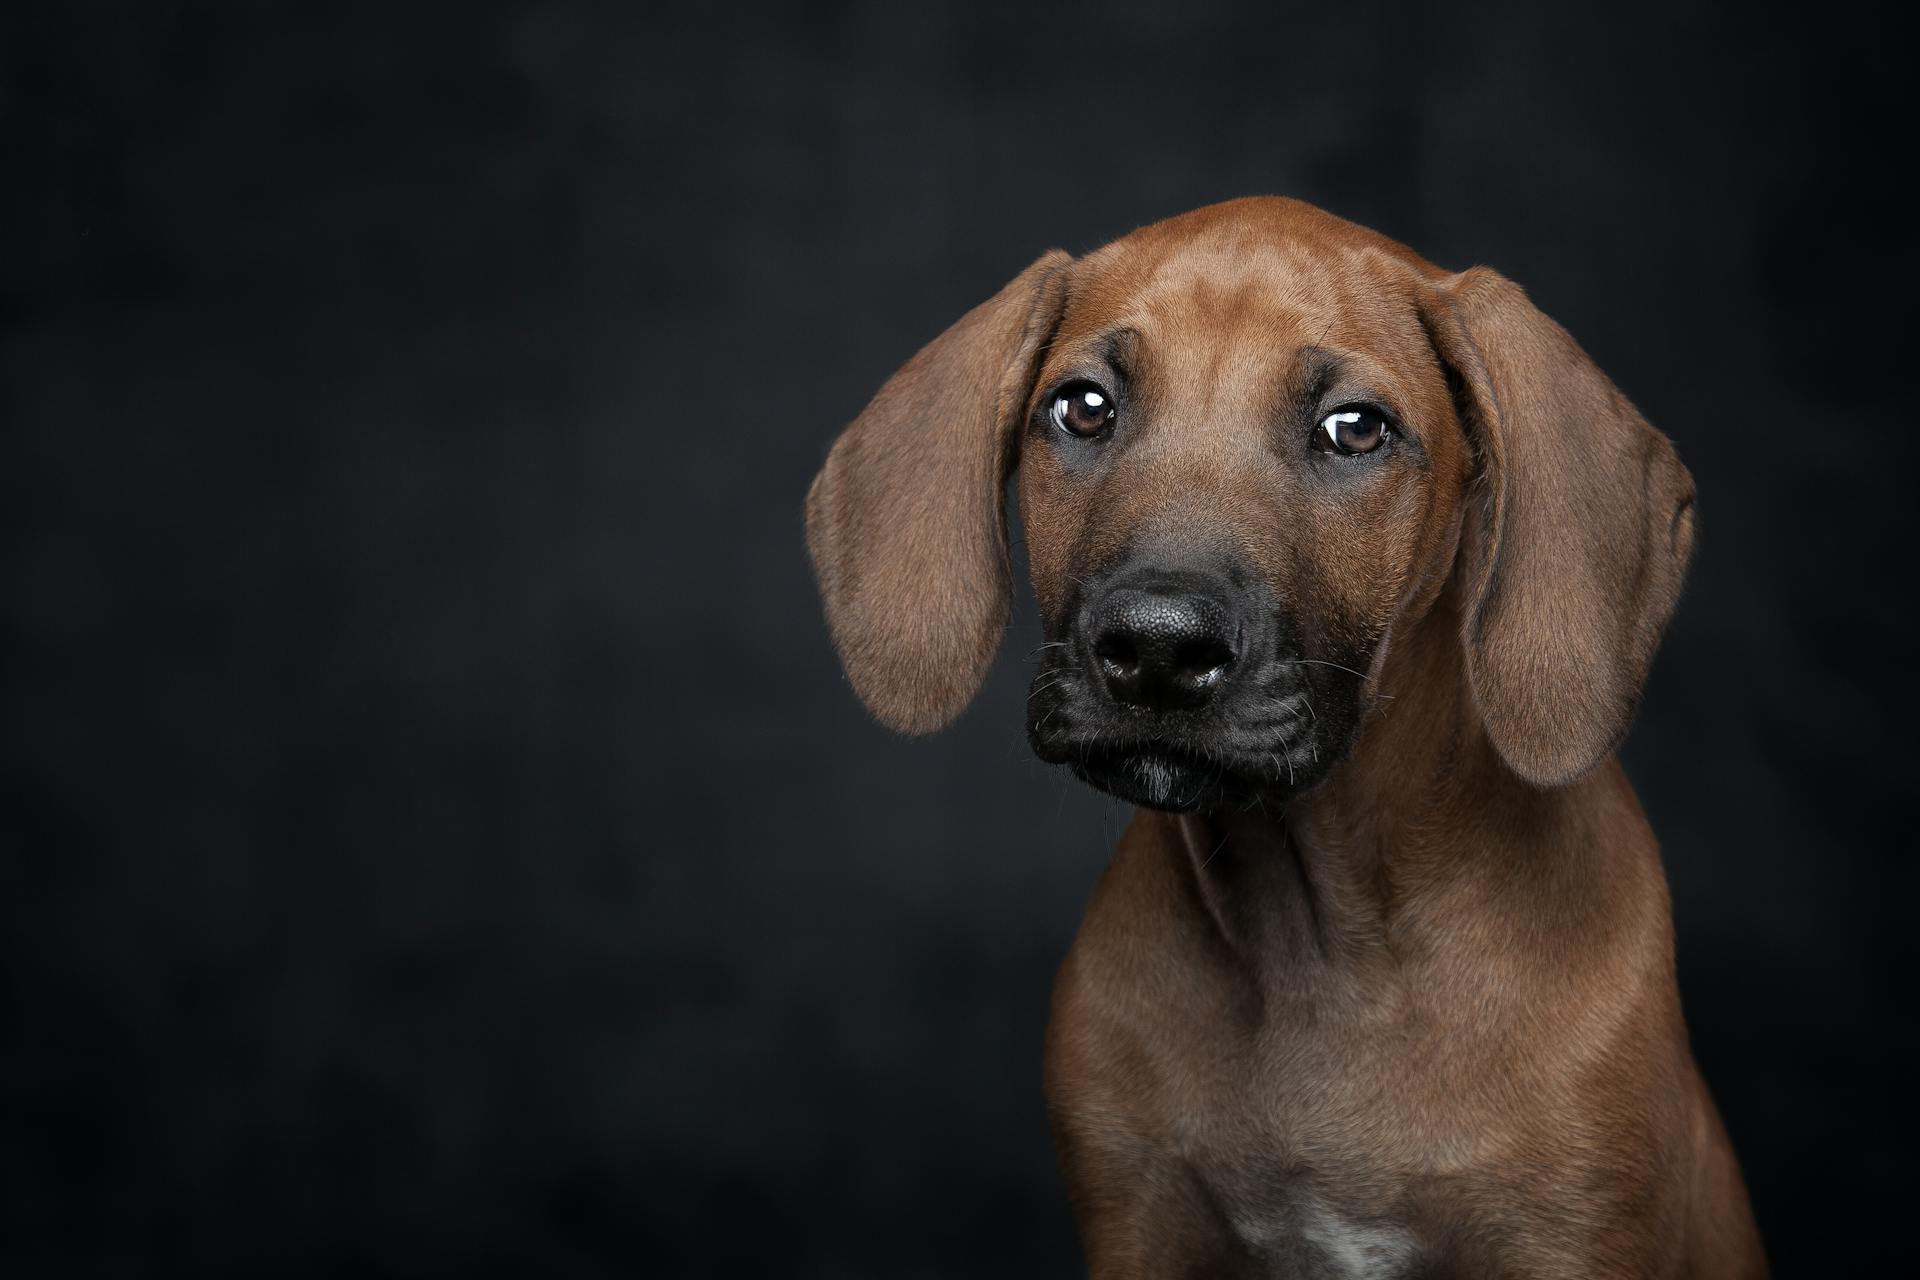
x: 1040, y: 688
x: 1320, y: 662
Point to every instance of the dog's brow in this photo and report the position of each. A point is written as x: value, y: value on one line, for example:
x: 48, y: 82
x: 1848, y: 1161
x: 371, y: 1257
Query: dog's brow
x: 1118, y: 350
x: 1313, y: 370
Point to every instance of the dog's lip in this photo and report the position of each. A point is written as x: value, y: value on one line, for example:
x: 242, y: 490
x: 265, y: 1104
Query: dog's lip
x: 1241, y: 745
x: 1108, y: 750
x: 1104, y: 752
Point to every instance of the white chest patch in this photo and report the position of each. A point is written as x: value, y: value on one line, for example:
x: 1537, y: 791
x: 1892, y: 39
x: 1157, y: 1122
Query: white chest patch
x: 1345, y: 1248
x: 1356, y: 1251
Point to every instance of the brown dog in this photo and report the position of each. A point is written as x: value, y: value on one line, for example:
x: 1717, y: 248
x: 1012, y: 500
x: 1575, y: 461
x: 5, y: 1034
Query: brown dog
x: 1351, y: 570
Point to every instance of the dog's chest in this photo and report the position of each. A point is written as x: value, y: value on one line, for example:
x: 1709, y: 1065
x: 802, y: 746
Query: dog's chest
x: 1328, y: 1173
x: 1317, y: 1167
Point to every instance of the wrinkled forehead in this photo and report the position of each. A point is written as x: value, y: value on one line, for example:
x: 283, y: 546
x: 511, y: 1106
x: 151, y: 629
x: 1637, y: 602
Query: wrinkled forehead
x: 1231, y: 300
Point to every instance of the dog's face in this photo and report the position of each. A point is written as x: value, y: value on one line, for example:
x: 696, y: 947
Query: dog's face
x: 1254, y: 444
x: 1239, y: 461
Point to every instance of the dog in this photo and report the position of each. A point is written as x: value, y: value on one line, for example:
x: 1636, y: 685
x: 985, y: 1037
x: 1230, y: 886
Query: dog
x: 1350, y: 571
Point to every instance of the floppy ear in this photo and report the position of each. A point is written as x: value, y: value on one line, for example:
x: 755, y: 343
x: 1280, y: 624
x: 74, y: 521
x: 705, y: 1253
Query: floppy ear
x: 906, y: 523
x: 1584, y: 527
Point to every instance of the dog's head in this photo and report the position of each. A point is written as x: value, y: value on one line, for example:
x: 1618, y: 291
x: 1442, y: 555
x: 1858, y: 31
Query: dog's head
x: 1254, y: 444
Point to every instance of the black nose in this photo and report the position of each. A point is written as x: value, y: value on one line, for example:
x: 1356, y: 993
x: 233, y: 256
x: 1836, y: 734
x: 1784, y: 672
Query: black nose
x: 1164, y: 650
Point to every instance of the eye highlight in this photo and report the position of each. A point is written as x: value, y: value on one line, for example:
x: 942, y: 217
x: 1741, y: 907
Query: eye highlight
x: 1082, y: 409
x: 1352, y: 429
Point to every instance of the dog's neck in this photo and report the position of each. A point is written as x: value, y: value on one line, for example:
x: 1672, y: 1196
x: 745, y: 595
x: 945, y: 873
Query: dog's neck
x: 1346, y: 877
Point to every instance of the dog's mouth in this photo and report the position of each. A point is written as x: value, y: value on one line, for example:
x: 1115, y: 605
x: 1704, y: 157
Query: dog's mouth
x: 1182, y: 768
x: 1265, y: 743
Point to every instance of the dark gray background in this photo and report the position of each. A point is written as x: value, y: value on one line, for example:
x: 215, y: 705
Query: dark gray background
x: 436, y: 834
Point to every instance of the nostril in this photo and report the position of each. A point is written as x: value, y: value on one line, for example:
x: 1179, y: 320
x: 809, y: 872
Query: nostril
x: 1117, y: 651
x: 1204, y: 659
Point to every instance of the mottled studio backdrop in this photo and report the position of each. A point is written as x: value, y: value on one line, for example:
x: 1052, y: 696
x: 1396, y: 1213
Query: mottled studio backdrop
x: 434, y: 833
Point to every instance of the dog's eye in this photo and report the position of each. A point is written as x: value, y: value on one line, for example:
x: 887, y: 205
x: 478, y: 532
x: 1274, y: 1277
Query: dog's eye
x: 1082, y: 409
x: 1355, y: 429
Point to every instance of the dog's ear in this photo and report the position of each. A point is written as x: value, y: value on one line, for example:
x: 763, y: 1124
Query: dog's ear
x: 1577, y: 533
x: 906, y: 523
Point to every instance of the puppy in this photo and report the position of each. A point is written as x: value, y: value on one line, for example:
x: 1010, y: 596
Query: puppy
x: 1350, y: 570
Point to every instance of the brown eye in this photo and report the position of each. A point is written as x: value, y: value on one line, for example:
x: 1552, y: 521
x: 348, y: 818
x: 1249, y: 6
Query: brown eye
x: 1082, y: 409
x: 1355, y: 429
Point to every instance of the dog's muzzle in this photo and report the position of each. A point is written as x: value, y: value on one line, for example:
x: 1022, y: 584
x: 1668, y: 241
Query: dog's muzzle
x: 1174, y: 689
